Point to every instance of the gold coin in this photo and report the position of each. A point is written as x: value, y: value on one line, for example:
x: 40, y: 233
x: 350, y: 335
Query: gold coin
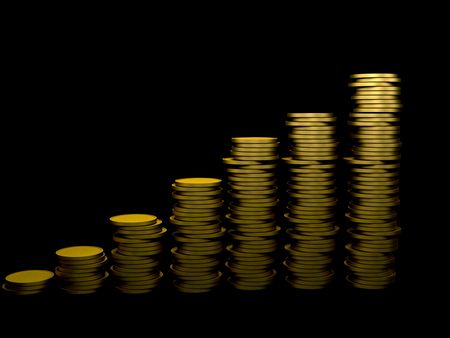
x: 253, y: 232
x: 139, y: 246
x: 367, y: 86
x: 327, y: 154
x: 193, y: 189
x: 186, y: 220
x: 323, y: 147
x: 247, y: 144
x: 298, y: 138
x: 364, y: 83
x: 255, y: 158
x: 133, y: 219
x: 369, y: 95
x: 312, y: 131
x: 314, y: 158
x: 254, y: 140
x: 379, y: 105
x: 150, y: 252
x: 120, y: 258
x: 198, y: 182
x: 21, y: 292
x: 79, y: 252
x: 246, y: 171
x: 244, y: 178
x: 315, y: 114
x: 267, y: 176
x: 256, y: 147
x: 301, y: 123
x: 198, y: 206
x: 377, y: 101
x: 179, y: 212
x: 144, y: 230
x: 195, y: 198
x: 89, y: 261
x: 249, y: 193
x: 198, y: 194
x: 373, y: 115
x: 378, y: 79
x: 252, y: 152
x: 374, y: 110
x: 374, y: 75
x: 376, y: 93
x: 199, y: 203
x: 314, y: 119
x: 246, y: 185
x: 29, y: 277
x: 370, y: 124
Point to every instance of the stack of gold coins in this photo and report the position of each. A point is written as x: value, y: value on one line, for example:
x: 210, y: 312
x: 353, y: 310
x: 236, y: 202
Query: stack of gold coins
x: 373, y: 187
x: 198, y: 234
x: 312, y: 199
x: 137, y: 258
x: 81, y: 269
x: 27, y: 282
x: 252, y: 216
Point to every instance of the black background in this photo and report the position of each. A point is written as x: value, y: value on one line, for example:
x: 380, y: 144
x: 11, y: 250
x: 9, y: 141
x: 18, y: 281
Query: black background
x: 100, y: 121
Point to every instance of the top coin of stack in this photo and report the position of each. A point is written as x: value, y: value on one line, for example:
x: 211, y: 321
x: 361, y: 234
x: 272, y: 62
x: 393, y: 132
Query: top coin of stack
x: 374, y: 192
x: 81, y: 269
x: 136, y: 258
x: 252, y: 211
x: 197, y: 220
x: 27, y: 282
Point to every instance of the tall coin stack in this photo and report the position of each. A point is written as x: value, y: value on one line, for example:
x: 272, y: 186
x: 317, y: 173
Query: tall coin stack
x: 136, y: 258
x: 312, y: 199
x: 252, y: 216
x: 198, y: 234
x: 373, y: 186
x: 81, y: 269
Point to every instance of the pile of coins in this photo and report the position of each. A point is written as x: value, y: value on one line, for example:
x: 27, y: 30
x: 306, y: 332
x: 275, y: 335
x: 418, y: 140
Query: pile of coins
x: 81, y: 269
x: 252, y: 217
x: 198, y: 234
x: 28, y: 282
x: 312, y: 199
x: 373, y: 187
x: 136, y: 267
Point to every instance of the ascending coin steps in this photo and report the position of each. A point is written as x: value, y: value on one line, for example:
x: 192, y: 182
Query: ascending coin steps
x: 196, y: 218
x: 374, y: 165
x: 81, y: 269
x: 252, y: 216
x: 311, y: 190
x: 137, y: 258
x: 28, y: 282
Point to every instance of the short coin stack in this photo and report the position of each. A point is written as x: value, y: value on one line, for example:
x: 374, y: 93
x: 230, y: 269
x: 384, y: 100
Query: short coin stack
x: 81, y: 269
x: 27, y: 282
x: 312, y: 199
x: 373, y: 186
x: 137, y: 258
x: 198, y: 234
x: 252, y: 216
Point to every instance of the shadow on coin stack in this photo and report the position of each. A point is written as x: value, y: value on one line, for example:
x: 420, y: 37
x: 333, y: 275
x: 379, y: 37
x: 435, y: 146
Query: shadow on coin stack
x: 198, y: 234
x: 137, y: 260
x: 81, y: 269
x: 312, y: 200
x: 252, y: 216
x: 373, y: 186
x: 28, y: 282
